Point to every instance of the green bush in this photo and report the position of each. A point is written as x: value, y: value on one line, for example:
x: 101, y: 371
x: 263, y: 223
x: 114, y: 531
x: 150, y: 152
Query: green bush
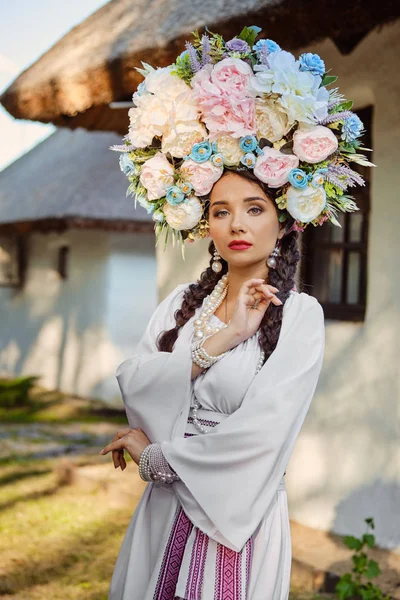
x: 355, y: 585
x: 15, y: 392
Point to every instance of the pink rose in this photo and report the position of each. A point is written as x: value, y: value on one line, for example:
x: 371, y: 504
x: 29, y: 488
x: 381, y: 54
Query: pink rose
x: 202, y: 176
x: 157, y: 176
x: 223, y: 96
x: 232, y: 76
x: 314, y: 144
x: 273, y: 167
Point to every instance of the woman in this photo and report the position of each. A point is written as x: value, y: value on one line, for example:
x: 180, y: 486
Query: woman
x: 220, y: 384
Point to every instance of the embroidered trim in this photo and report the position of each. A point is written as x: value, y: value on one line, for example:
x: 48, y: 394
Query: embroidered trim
x: 172, y: 559
x: 249, y: 555
x: 228, y: 574
x: 197, y: 564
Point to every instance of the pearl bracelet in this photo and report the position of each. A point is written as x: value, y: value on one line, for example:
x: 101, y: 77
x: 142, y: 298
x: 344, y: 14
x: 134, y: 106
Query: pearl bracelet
x: 153, y: 465
x: 201, y: 358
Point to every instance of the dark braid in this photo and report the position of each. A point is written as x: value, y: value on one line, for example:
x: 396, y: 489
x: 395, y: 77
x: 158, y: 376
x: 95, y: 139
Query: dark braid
x: 281, y: 277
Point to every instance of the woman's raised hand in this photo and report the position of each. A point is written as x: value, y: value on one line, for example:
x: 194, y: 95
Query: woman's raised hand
x: 245, y: 319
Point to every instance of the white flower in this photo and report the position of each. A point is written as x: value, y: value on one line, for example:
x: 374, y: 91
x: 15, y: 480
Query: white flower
x: 271, y: 120
x: 300, y: 94
x: 230, y: 149
x: 305, y: 205
x: 179, y: 139
x: 168, y: 100
x: 183, y: 215
x: 157, y: 176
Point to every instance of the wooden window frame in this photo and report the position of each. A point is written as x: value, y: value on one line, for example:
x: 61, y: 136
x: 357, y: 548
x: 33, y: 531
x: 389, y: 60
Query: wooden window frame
x: 311, y: 245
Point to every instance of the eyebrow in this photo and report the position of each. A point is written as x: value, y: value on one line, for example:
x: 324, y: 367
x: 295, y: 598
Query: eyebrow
x: 250, y: 199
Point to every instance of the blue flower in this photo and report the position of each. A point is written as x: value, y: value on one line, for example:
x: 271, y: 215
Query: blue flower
x: 312, y: 62
x: 352, y: 128
x: 127, y: 166
x: 174, y: 195
x: 298, y: 178
x: 317, y: 179
x: 271, y: 47
x: 248, y: 143
x: 201, y: 152
x: 185, y: 187
x: 217, y: 159
x: 248, y: 160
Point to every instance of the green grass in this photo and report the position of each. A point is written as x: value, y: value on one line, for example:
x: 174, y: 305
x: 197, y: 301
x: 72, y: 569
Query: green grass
x: 50, y: 407
x: 59, y: 539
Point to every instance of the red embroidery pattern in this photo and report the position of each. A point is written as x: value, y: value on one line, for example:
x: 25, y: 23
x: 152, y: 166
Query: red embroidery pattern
x: 228, y: 574
x: 197, y: 564
x: 173, y: 554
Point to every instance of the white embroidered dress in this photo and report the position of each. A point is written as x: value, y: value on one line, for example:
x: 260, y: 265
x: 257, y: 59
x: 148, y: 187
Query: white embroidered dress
x: 222, y: 531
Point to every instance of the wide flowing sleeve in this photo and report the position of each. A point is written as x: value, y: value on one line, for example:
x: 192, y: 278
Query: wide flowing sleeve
x: 154, y: 385
x: 229, y: 476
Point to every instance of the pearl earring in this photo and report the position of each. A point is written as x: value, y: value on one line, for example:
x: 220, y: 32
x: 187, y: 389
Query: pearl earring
x: 271, y: 261
x: 216, y: 263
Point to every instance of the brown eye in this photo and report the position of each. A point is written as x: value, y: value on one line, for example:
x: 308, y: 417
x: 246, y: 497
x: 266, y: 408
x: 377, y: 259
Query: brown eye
x: 257, y: 208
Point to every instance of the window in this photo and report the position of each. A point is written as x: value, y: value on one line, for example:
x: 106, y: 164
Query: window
x: 12, y: 260
x: 62, y: 267
x: 334, y: 259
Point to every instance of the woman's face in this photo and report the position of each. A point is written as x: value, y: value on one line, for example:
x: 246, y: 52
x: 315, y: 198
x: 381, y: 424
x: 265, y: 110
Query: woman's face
x: 241, y: 211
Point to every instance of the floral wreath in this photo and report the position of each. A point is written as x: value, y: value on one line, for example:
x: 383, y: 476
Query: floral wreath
x: 240, y: 105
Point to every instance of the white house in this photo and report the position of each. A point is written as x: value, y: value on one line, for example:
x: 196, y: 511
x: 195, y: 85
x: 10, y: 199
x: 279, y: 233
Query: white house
x: 77, y: 265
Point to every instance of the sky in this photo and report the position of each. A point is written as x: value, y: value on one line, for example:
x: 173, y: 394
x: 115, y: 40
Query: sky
x: 28, y: 28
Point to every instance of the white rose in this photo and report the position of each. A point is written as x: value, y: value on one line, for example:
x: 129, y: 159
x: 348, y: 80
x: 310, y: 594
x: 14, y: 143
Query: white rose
x: 166, y: 101
x: 230, y: 149
x: 147, y: 119
x: 183, y: 216
x: 157, y: 176
x: 179, y: 139
x: 271, y: 121
x: 305, y: 204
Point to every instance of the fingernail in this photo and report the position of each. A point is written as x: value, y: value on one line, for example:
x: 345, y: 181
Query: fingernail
x: 101, y: 452
x: 280, y: 301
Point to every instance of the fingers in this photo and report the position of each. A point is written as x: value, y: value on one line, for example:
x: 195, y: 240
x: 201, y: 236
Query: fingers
x: 117, y: 445
x: 269, y: 295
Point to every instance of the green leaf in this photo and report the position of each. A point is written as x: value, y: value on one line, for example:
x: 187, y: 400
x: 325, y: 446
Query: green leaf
x: 249, y: 34
x: 334, y: 220
x: 373, y: 569
x: 282, y: 217
x: 328, y: 79
x: 369, y: 539
x: 369, y: 520
x: 352, y: 542
x: 348, y: 105
x: 345, y: 587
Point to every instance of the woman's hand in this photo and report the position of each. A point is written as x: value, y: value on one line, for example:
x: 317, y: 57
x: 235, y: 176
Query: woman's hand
x: 246, y: 320
x: 134, y: 441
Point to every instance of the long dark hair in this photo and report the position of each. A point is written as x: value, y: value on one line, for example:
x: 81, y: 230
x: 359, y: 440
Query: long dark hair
x: 281, y: 277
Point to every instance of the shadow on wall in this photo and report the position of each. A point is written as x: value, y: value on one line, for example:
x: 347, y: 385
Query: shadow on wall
x: 379, y: 500
x: 56, y: 328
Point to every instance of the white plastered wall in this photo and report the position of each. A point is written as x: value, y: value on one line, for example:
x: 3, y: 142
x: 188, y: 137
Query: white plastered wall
x: 75, y: 332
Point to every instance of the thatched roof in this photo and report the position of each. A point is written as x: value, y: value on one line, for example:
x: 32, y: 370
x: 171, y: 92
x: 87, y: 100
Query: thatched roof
x: 93, y: 64
x: 71, y: 179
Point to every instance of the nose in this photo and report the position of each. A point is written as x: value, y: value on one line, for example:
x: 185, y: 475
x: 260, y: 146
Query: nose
x: 237, y: 224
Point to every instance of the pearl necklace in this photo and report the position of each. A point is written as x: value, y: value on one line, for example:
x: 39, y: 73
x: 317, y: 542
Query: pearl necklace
x: 202, y: 328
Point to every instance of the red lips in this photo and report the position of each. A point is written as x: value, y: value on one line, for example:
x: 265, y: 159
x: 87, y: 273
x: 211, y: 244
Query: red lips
x: 239, y: 245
